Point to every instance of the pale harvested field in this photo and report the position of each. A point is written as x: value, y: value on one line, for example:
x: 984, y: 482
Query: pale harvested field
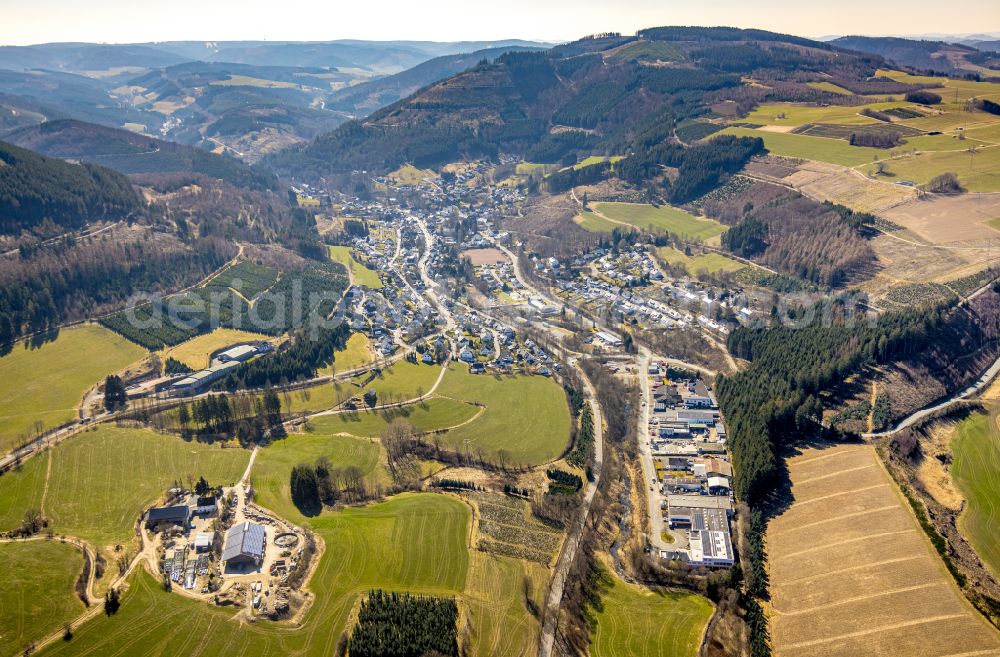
x: 490, y: 256
x: 950, y: 219
x: 852, y: 573
x: 830, y: 182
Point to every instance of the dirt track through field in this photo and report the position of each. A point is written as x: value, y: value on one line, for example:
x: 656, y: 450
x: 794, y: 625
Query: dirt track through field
x: 852, y: 573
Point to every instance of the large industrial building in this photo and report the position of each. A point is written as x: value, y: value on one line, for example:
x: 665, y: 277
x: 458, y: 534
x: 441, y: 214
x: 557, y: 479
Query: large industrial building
x: 245, y: 544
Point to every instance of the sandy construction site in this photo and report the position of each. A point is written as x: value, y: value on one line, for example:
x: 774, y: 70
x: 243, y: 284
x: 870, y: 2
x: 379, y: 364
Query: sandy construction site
x: 852, y: 572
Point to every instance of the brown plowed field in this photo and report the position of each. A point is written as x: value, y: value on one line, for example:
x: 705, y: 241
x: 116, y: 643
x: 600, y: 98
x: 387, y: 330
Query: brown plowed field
x: 852, y: 573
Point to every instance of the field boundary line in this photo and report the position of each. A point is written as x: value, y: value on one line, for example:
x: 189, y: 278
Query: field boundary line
x: 846, y: 492
x: 858, y: 598
x: 848, y: 541
x: 834, y: 474
x: 871, y: 564
x: 874, y: 630
x: 855, y: 514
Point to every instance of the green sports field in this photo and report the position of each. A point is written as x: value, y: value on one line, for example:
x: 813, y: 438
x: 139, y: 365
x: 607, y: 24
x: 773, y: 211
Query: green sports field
x: 976, y: 471
x: 37, y: 595
x: 710, y: 262
x: 361, y: 274
x: 48, y: 383
x: 660, y: 219
x: 272, y: 468
x: 526, y: 416
x: 415, y: 543
x: 103, y: 479
x: 638, y: 623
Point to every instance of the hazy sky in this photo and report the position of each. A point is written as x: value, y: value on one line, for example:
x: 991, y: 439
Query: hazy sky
x: 123, y: 21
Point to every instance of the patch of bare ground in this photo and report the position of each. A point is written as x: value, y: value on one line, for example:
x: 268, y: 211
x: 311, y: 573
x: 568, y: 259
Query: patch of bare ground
x: 548, y: 228
x: 932, y: 469
x: 946, y: 219
x: 852, y: 573
x: 993, y: 392
x: 830, y: 182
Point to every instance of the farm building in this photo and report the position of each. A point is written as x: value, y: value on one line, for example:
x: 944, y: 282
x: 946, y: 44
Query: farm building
x: 203, y: 541
x: 244, y: 545
x: 207, y: 505
x: 167, y: 517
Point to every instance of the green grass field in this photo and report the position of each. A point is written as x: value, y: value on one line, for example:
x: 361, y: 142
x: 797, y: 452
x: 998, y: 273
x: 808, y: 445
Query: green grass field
x: 415, y: 543
x: 710, y: 262
x: 976, y: 471
x: 661, y: 219
x: 526, y: 416
x: 829, y: 86
x: 411, y: 175
x: 589, y: 221
x: 356, y: 353
x: 20, y: 490
x: 430, y: 415
x: 796, y: 115
x: 638, y: 623
x: 273, y: 466
x: 362, y: 275
x: 823, y: 149
x: 402, y: 381
x: 46, y: 384
x: 597, y: 159
x: 979, y: 173
x: 195, y: 352
x: 37, y: 595
x: 994, y: 223
x: 650, y: 51
x: 103, y: 479
x: 535, y: 169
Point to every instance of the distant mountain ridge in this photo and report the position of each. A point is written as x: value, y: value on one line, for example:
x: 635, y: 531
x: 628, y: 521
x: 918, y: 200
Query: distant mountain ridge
x: 367, y: 97
x: 919, y: 55
x: 379, y: 57
x: 130, y: 153
x: 598, y: 95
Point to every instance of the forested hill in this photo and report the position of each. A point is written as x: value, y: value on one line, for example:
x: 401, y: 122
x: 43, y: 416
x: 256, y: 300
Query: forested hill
x: 130, y: 153
x: 35, y: 189
x: 364, y: 98
x: 601, y: 93
x: 916, y: 54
